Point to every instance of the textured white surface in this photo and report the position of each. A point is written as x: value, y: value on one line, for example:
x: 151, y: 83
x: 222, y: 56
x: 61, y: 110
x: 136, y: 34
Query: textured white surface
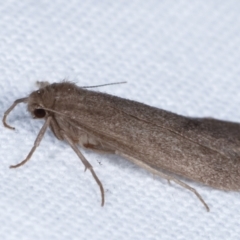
x: 182, y: 56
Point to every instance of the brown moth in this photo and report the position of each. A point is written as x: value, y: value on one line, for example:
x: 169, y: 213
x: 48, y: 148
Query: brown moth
x: 169, y: 145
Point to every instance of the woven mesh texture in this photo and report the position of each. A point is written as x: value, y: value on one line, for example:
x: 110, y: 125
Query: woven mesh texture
x: 181, y: 56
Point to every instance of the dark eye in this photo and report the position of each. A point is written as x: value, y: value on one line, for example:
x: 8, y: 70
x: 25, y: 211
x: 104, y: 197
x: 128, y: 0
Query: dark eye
x: 39, y: 113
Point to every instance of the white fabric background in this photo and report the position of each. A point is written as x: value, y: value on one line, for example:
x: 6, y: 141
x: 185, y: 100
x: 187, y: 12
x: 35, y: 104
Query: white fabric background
x: 182, y: 56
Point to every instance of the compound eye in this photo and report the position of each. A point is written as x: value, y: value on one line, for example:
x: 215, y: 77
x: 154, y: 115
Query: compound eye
x: 39, y: 113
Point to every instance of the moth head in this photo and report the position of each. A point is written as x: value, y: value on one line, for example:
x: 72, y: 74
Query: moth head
x: 38, y: 102
x: 37, y: 110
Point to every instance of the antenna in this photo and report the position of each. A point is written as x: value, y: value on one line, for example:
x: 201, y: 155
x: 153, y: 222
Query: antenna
x: 103, y: 85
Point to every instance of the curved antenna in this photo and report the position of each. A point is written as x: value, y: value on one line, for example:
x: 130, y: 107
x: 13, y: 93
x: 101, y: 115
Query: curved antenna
x: 10, y: 109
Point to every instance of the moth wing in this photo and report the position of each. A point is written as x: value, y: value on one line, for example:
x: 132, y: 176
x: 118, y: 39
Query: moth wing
x: 161, y: 139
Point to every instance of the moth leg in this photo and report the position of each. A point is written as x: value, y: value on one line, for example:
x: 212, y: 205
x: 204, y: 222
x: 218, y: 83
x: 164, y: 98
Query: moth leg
x: 10, y: 109
x: 86, y: 164
x: 179, y: 182
x: 165, y: 176
x: 36, y: 143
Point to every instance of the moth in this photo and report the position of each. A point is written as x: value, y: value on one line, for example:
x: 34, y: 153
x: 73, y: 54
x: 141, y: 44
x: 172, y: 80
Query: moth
x: 169, y: 145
